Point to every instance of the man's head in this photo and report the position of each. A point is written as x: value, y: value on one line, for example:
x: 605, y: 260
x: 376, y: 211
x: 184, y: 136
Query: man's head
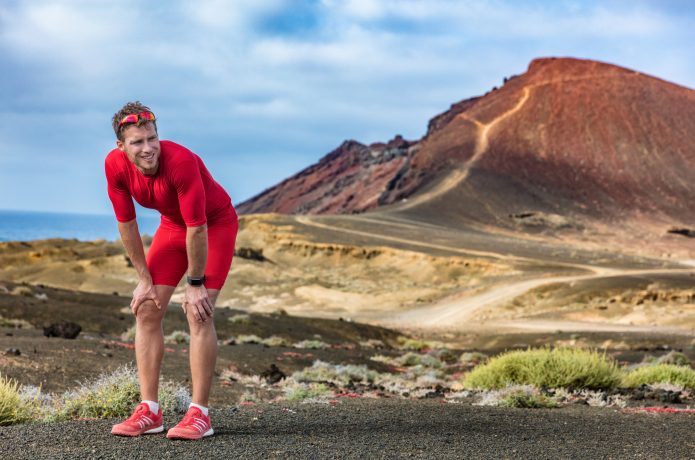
x: 136, y: 135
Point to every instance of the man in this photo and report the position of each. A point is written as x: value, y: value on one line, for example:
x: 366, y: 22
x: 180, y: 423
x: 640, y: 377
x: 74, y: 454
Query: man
x: 196, y: 237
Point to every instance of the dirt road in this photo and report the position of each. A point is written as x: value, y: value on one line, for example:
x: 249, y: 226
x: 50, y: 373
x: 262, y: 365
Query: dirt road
x: 459, y: 310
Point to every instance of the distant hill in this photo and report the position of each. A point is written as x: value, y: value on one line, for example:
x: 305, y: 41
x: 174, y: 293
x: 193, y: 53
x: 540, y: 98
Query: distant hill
x: 569, y: 136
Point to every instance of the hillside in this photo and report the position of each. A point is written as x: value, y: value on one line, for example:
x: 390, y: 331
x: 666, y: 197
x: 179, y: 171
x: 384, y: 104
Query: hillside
x: 568, y: 137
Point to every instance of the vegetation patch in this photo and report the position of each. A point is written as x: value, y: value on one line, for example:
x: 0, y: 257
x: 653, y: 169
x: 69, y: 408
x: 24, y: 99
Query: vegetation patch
x: 306, y: 391
x: 275, y: 341
x: 336, y: 373
x: 473, y: 357
x: 241, y: 318
x: 177, y: 337
x: 549, y: 368
x: 660, y: 373
x: 248, y: 338
x: 674, y: 357
x: 311, y: 344
x: 15, y: 323
x: 114, y: 395
x: 407, y: 343
x: 12, y: 408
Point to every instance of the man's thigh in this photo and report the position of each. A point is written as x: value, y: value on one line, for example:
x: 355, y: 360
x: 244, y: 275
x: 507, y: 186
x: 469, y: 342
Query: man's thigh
x: 221, y: 243
x: 167, y: 259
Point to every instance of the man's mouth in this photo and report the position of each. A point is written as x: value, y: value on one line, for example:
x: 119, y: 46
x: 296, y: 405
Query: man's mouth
x: 149, y: 157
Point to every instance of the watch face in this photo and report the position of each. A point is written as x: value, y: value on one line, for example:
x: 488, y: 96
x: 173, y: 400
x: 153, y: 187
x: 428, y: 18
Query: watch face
x: 195, y: 281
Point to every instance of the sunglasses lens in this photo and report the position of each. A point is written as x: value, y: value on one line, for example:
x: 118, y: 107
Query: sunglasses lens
x: 148, y: 116
x: 135, y: 117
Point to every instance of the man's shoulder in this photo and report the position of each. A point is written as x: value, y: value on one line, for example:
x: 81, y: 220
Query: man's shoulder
x: 114, y: 159
x: 176, y: 153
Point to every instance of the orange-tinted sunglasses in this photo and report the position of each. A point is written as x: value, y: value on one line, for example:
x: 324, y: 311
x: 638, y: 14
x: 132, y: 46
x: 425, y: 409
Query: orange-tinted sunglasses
x: 137, y: 117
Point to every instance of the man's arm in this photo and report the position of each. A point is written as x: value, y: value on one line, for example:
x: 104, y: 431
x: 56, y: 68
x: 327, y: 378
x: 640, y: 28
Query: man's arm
x: 130, y: 235
x: 197, y: 251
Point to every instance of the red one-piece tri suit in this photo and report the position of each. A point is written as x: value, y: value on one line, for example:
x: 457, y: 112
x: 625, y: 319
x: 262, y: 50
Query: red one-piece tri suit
x: 186, y: 195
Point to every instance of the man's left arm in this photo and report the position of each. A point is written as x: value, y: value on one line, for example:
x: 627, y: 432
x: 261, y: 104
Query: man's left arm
x: 191, y: 194
x: 196, y: 297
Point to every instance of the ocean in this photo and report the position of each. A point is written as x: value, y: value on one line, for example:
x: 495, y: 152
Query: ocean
x: 30, y: 225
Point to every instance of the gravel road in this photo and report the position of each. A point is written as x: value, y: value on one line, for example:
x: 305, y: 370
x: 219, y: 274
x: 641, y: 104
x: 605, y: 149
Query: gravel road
x: 379, y: 429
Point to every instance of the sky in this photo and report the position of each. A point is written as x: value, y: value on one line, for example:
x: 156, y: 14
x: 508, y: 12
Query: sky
x: 261, y: 89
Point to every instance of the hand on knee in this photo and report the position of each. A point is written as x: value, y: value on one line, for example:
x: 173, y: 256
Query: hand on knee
x: 149, y: 313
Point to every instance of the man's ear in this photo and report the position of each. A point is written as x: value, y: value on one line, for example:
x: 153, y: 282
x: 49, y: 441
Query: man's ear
x: 119, y: 145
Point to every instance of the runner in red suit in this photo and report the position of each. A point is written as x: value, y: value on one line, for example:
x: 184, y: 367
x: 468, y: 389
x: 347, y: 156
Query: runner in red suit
x: 196, y: 237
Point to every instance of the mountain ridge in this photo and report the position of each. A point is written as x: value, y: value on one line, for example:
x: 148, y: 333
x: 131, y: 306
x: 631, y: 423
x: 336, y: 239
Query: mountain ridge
x: 569, y: 136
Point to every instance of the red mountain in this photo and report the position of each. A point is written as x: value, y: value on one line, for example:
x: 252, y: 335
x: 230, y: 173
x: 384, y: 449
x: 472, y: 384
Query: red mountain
x: 568, y: 136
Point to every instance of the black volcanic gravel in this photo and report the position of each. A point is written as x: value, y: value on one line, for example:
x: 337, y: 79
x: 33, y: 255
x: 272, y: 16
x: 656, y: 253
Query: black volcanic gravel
x: 379, y: 429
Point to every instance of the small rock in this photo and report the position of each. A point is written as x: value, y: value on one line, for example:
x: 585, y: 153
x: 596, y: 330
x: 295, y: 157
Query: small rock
x: 273, y: 375
x: 13, y: 352
x: 671, y: 397
x: 64, y: 329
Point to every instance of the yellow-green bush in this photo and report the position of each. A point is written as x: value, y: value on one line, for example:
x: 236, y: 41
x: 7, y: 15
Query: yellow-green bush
x: 552, y: 368
x: 12, y: 409
x: 300, y: 392
x: 660, y: 373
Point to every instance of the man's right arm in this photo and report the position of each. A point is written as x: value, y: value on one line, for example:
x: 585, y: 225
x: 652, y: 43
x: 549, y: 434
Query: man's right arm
x: 130, y: 235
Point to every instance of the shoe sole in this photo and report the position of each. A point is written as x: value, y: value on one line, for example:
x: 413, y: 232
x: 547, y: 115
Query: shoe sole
x: 159, y: 429
x: 209, y: 432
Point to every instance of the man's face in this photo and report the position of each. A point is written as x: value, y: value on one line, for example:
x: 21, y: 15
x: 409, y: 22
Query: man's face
x: 141, y: 145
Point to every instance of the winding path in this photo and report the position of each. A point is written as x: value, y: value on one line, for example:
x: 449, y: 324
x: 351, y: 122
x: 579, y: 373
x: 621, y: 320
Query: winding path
x: 459, y: 310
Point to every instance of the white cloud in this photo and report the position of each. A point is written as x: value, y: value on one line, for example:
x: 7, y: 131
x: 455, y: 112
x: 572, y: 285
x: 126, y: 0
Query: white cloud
x: 363, y: 69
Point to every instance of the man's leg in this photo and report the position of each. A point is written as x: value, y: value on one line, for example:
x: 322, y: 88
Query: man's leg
x: 203, y: 352
x: 149, y: 342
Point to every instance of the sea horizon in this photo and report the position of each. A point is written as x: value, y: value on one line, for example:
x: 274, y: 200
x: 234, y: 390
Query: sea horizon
x: 27, y: 225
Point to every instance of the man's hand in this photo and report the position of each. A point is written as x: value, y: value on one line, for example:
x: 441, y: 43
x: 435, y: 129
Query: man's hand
x: 196, y: 297
x: 144, y: 291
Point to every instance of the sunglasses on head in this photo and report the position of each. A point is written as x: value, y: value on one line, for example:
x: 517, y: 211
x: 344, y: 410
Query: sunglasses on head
x: 136, y: 118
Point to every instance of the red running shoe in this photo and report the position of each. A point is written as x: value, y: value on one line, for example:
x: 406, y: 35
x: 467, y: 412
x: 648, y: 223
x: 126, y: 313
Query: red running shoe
x: 143, y: 421
x: 194, y: 425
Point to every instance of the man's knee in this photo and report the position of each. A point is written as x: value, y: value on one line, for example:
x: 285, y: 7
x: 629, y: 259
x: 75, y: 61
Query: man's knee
x: 148, y: 312
x: 194, y: 319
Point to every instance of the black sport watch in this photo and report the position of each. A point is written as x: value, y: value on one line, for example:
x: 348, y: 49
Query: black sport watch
x: 195, y: 281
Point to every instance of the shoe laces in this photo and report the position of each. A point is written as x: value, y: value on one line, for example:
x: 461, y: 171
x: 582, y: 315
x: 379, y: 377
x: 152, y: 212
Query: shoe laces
x: 194, y: 417
x: 140, y: 411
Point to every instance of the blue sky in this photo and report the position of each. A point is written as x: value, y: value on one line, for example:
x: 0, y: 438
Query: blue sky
x: 261, y: 89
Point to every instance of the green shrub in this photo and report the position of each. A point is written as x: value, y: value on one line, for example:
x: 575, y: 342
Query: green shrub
x: 674, y: 357
x: 15, y: 323
x: 472, y: 357
x: 24, y: 291
x: 114, y: 395
x: 275, y: 341
x: 129, y: 335
x: 527, y: 400
x: 372, y: 343
x: 12, y: 409
x: 302, y: 392
x: 405, y: 343
x: 311, y: 344
x: 177, y: 337
x: 241, y: 318
x: 337, y: 373
x: 551, y: 368
x: 248, y: 338
x: 411, y: 359
x: 660, y: 373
